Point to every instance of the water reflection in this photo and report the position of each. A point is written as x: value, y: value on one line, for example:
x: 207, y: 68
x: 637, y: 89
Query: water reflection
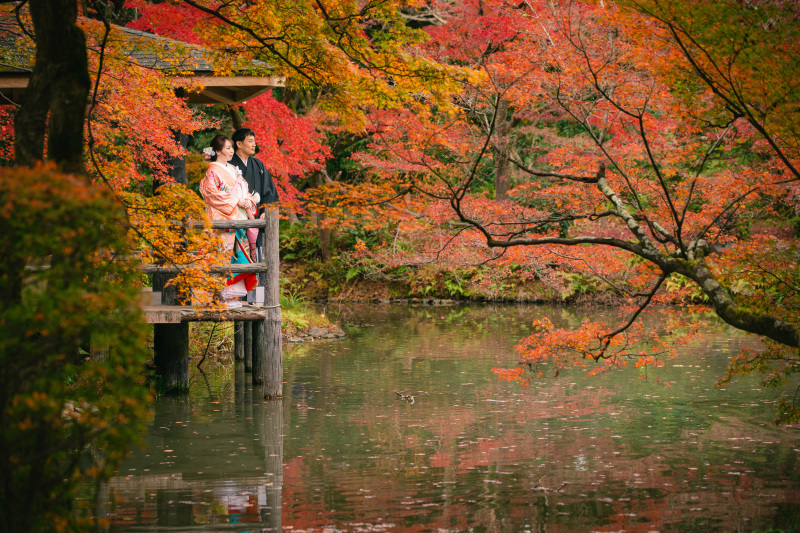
x: 342, y: 452
x: 213, y: 458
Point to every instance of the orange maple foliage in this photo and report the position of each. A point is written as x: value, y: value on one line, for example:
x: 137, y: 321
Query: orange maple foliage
x: 135, y: 116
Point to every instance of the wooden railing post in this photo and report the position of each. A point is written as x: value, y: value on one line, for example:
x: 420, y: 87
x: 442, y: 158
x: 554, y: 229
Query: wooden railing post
x: 271, y: 349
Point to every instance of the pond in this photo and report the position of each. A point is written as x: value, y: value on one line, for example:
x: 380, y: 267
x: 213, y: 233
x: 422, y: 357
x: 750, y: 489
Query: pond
x: 342, y: 451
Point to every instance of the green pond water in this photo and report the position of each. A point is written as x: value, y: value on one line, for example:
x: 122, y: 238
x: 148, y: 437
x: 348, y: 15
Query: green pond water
x: 343, y: 452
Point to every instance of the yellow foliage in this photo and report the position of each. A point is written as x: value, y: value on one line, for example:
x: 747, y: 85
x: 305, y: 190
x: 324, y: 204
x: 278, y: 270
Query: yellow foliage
x: 164, y: 226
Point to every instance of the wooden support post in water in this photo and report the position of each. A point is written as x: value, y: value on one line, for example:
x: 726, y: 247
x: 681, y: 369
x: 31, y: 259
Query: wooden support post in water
x: 248, y: 347
x: 259, y: 352
x: 271, y: 369
x: 238, y: 341
x: 170, y: 344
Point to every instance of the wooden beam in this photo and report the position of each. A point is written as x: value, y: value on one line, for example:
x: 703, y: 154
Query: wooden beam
x: 177, y: 314
x: 14, y: 81
x: 12, y: 88
x: 216, y: 269
x: 237, y: 81
x: 222, y: 95
x: 216, y: 89
x: 227, y: 224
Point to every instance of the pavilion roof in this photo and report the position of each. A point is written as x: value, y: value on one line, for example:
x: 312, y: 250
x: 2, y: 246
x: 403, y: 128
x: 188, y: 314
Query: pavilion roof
x: 186, y: 61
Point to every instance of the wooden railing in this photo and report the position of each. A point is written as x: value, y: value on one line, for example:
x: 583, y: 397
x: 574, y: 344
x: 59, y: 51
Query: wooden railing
x: 220, y: 269
x: 260, y: 339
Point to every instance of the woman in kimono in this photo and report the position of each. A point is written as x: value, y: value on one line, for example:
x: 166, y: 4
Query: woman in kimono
x: 226, y: 195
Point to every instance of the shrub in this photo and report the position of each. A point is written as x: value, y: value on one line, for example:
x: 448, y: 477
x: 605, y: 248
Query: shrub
x: 69, y: 414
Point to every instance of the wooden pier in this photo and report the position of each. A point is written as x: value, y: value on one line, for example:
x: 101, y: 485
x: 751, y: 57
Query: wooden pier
x: 258, y: 342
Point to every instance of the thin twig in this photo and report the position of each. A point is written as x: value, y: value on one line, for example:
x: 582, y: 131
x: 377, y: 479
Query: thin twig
x: 210, y: 336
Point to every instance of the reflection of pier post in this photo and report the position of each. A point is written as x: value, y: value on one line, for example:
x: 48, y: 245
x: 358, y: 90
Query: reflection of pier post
x: 239, y: 384
x: 268, y: 420
x: 174, y: 506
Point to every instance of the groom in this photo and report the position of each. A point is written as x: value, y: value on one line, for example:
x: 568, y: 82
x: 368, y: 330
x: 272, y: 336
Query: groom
x: 258, y: 180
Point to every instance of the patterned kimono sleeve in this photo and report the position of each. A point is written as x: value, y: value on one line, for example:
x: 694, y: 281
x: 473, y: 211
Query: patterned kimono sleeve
x: 243, y: 193
x: 216, y: 194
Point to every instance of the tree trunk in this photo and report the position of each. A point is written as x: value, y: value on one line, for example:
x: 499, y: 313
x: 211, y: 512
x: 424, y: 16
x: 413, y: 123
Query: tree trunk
x: 236, y: 117
x: 740, y: 317
x: 59, y: 86
x: 501, y: 174
x: 325, y: 234
x: 177, y: 165
x: 325, y: 242
x: 502, y: 151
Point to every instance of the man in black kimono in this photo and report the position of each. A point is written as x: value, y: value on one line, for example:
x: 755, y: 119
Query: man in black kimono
x: 258, y: 180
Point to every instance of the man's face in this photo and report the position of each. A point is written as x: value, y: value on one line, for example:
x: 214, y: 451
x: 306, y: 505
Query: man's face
x: 247, y: 146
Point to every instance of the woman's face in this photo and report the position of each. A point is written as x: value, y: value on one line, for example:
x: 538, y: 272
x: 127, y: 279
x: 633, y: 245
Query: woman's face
x: 226, y: 153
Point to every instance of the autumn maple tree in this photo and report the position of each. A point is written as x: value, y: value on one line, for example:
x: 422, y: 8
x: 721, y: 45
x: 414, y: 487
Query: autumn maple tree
x: 647, y: 139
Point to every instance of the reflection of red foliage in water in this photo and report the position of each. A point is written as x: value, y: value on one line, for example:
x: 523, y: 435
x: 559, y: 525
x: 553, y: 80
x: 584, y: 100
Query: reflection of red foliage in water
x: 588, y: 474
x: 301, y: 508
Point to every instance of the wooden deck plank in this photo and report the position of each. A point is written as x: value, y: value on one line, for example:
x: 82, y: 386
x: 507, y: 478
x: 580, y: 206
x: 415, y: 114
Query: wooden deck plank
x: 175, y: 314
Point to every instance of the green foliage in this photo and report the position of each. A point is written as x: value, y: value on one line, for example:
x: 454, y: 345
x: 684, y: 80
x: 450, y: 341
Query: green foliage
x: 680, y: 283
x: 371, y: 238
x: 569, y: 128
x: 212, y: 339
x: 578, y: 284
x: 353, y: 272
x: 432, y: 282
x: 291, y: 300
x: 68, y: 417
x: 298, y: 242
x: 343, y: 146
x: 297, y: 315
x: 454, y: 286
